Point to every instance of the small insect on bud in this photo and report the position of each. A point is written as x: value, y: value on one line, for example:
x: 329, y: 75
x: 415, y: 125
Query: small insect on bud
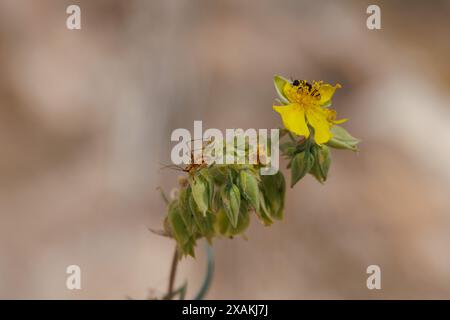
x: 296, y: 83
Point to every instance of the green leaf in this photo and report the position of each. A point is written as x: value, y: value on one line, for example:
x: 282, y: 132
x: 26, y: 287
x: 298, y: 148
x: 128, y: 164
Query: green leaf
x: 217, y: 202
x: 243, y: 221
x: 342, y: 139
x: 204, y: 222
x: 274, y: 189
x: 177, y: 226
x: 219, y: 173
x: 263, y: 212
x: 200, y: 193
x: 249, y: 187
x: 231, y: 199
x: 322, y: 161
x: 185, y: 211
x: 205, y: 173
x: 188, y: 248
x: 222, y: 223
x: 288, y: 148
x: 167, y: 227
x: 301, y: 164
x: 209, y: 223
x: 342, y: 134
x: 223, y: 226
x: 279, y: 83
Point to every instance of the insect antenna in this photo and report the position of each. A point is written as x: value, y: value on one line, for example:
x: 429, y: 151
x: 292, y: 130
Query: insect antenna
x: 171, y: 166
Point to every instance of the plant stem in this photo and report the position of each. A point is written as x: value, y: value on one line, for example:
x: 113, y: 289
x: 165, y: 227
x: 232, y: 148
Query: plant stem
x: 173, y: 272
x: 209, y: 274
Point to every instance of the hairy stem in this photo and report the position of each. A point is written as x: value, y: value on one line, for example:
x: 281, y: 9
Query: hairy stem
x: 173, y: 272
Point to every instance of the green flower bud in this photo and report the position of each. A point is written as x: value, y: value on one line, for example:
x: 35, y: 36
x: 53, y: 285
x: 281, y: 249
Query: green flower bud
x: 249, y: 187
x: 322, y: 161
x: 301, y: 164
x: 231, y: 199
x: 200, y: 193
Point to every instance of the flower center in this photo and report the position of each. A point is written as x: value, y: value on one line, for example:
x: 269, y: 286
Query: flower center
x: 302, y: 92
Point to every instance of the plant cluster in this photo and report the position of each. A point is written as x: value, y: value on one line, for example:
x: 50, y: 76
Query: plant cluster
x: 218, y: 200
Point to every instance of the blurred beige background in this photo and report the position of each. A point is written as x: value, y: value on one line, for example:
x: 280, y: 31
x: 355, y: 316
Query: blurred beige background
x: 85, y: 123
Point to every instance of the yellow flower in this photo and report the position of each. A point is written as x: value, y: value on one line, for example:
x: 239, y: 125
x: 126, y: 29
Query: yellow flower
x: 307, y: 107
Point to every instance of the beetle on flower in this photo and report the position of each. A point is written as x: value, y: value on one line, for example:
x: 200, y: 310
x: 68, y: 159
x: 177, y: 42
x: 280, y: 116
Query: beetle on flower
x: 305, y: 111
x: 306, y: 105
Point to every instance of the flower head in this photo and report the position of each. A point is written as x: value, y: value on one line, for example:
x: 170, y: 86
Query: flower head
x: 307, y: 106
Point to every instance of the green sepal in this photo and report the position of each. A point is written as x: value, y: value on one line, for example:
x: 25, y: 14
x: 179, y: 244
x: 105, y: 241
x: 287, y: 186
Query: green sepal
x: 206, y: 174
x: 200, y: 192
x: 264, y: 213
x: 177, y: 226
x: 274, y: 189
x: 300, y: 165
x: 185, y: 211
x: 248, y: 184
x: 222, y: 223
x: 223, y: 226
x: 322, y: 162
x: 342, y: 139
x: 243, y: 221
x: 204, y: 222
x: 279, y: 83
x: 231, y: 200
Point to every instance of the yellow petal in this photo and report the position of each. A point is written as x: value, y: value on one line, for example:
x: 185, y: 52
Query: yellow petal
x: 290, y: 92
x: 340, y: 121
x: 326, y: 93
x: 293, y: 117
x: 318, y: 120
x: 331, y: 116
